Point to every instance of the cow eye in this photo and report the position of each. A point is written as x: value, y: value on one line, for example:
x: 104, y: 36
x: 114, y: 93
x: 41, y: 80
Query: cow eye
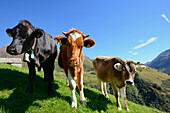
x: 79, y: 47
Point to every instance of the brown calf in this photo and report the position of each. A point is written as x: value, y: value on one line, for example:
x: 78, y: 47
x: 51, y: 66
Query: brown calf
x: 117, y: 72
x: 71, y: 59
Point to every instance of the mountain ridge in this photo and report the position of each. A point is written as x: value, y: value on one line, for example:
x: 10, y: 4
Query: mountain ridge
x: 161, y: 62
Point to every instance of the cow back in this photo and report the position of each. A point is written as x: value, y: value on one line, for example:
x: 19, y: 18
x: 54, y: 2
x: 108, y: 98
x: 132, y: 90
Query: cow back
x: 104, y: 67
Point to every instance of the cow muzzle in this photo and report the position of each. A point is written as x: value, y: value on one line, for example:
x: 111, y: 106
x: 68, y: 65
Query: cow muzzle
x: 129, y: 82
x: 73, y: 63
x: 12, y: 50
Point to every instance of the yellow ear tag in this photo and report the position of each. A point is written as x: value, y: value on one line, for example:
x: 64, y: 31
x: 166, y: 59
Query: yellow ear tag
x: 38, y: 35
x: 9, y: 34
x: 59, y: 43
x: 88, y: 46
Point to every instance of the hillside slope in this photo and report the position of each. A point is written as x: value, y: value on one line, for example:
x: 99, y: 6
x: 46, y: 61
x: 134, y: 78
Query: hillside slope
x: 161, y: 62
x: 152, y: 87
x: 13, y: 98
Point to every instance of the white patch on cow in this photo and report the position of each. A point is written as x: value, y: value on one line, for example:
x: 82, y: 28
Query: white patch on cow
x: 75, y: 35
x: 73, y: 87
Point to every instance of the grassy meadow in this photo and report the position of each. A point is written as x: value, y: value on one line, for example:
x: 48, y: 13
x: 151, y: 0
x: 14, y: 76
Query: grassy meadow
x: 13, y: 99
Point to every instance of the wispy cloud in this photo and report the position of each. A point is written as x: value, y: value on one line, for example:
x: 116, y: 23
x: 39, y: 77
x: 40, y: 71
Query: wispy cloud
x: 142, y: 45
x: 164, y: 16
x: 146, y: 43
x: 131, y: 52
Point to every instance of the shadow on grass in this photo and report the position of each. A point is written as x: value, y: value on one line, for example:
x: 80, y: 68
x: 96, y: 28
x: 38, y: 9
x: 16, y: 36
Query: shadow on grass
x: 15, y: 99
x: 97, y: 101
x: 15, y: 83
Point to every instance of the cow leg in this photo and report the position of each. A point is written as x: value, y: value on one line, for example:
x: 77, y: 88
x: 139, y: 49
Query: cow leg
x: 32, y: 73
x: 101, y: 86
x: 67, y: 81
x: 48, y: 68
x: 116, y: 92
x: 123, y: 95
x: 72, y: 87
x: 105, y: 89
x: 80, y: 86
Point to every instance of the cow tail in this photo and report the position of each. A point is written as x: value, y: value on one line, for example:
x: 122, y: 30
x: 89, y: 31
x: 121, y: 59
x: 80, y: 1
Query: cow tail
x: 95, y: 64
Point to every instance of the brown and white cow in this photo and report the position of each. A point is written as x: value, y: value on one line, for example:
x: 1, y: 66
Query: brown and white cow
x: 117, y: 72
x: 71, y: 59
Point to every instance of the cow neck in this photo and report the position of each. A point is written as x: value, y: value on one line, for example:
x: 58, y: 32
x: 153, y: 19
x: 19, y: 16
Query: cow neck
x: 30, y: 52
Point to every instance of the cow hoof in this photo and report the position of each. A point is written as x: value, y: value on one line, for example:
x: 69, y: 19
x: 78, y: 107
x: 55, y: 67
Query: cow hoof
x: 29, y: 90
x: 84, y: 102
x: 74, y: 105
x: 127, y: 109
x: 119, y: 108
x: 107, y: 96
x: 67, y: 83
x: 50, y: 92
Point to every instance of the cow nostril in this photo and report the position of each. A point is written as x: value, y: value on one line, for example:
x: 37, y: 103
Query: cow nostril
x: 75, y: 63
x: 11, y: 49
x: 129, y: 82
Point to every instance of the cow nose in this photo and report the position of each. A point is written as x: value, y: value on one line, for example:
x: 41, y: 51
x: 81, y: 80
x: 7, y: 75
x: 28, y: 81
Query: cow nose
x: 73, y: 63
x: 11, y: 49
x: 129, y: 82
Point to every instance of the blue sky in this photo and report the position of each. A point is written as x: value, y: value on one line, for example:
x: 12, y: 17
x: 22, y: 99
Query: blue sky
x: 132, y: 29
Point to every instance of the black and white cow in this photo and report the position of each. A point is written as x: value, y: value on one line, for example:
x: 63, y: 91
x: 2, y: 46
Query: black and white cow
x: 39, y: 50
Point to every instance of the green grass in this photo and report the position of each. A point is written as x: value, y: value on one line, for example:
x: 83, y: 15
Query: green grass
x: 13, y: 99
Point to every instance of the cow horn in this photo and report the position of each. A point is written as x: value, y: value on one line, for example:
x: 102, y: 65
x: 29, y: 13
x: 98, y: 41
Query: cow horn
x: 136, y: 63
x: 63, y: 32
x: 124, y: 61
x: 87, y: 35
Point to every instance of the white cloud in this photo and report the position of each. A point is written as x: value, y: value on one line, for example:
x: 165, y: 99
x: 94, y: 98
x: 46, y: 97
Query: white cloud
x: 142, y: 45
x: 140, y: 41
x: 146, y: 43
x: 135, y: 53
x: 164, y: 16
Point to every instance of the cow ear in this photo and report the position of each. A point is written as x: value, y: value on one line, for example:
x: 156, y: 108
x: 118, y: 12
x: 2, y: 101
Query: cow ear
x: 89, y: 43
x: 118, y: 66
x: 37, y: 33
x: 140, y: 68
x: 9, y: 32
x: 60, y: 40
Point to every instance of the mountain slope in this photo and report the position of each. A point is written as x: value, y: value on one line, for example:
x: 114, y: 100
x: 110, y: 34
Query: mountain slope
x: 13, y: 98
x: 161, y: 62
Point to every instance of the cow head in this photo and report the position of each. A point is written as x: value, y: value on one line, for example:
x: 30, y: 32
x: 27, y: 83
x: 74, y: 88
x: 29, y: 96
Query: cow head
x: 23, y: 37
x: 129, y: 68
x: 74, y: 42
